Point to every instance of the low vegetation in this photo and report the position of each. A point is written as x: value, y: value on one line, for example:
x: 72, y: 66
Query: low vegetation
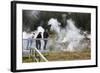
x: 62, y: 56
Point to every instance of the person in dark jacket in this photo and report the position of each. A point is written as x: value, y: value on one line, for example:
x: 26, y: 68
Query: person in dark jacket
x: 38, y: 41
x: 45, y: 36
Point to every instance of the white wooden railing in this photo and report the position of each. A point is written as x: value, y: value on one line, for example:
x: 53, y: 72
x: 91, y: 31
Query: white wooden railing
x: 36, y: 54
x: 40, y: 55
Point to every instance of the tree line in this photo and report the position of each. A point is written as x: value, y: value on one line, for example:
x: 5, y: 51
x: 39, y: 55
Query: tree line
x: 32, y: 19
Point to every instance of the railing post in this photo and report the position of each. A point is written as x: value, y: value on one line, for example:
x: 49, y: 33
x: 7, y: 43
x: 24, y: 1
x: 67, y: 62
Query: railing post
x: 35, y: 54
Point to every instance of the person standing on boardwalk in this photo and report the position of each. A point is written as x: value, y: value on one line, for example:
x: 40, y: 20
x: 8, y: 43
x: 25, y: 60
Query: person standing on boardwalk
x: 45, y: 36
x: 38, y: 41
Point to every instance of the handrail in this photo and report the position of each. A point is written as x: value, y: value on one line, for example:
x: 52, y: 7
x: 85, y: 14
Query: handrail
x: 38, y: 39
x: 41, y: 55
x: 37, y: 51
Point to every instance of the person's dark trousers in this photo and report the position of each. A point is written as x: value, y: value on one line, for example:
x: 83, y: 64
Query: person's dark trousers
x: 38, y: 44
x: 45, y: 43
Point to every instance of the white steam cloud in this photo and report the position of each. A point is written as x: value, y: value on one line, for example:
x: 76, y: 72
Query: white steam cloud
x: 69, y: 38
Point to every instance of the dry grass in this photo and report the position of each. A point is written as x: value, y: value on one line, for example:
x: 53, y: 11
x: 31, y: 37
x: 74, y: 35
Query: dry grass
x: 63, y: 56
x: 69, y: 56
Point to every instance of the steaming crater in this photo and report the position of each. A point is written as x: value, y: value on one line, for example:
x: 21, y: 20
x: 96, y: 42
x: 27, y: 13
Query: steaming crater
x: 68, y: 38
